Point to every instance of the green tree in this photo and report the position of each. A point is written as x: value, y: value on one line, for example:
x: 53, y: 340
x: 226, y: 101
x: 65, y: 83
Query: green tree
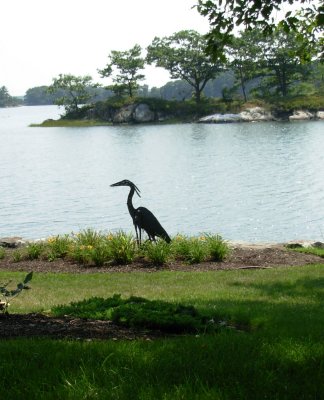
x: 278, y: 54
x: 243, y: 58
x: 5, y: 97
x: 6, y: 100
x: 74, y: 89
x: 183, y: 54
x: 124, y: 67
x: 224, y: 15
x: 38, y: 96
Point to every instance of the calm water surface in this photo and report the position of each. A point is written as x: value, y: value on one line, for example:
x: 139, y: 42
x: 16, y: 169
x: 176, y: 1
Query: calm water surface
x: 253, y: 182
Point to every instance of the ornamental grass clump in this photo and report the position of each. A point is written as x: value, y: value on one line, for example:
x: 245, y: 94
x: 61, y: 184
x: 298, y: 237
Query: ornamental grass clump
x: 80, y: 253
x: 17, y: 256
x: 90, y: 247
x: 157, y: 252
x: 100, y: 254
x: 180, y: 247
x: 88, y: 237
x: 192, y: 250
x: 58, y: 246
x: 34, y: 250
x: 217, y: 248
x: 122, y: 248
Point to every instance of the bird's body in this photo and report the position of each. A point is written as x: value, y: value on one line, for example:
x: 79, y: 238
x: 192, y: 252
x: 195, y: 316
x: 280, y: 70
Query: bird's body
x: 142, y: 217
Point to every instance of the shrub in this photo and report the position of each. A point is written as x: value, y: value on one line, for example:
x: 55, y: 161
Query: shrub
x: 6, y: 294
x: 141, y: 313
x: 192, y: 250
x: 88, y: 237
x: 158, y: 252
x: 122, y: 248
x: 180, y: 247
x: 34, y: 250
x: 80, y: 253
x: 217, y: 248
x: 16, y: 256
x: 197, y: 250
x: 100, y: 254
x: 58, y: 246
x: 2, y: 253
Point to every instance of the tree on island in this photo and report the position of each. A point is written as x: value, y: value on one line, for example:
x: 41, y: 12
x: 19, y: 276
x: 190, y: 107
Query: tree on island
x: 74, y: 89
x: 273, y: 59
x: 123, y: 67
x: 183, y: 54
x: 242, y: 54
x: 278, y: 54
x: 6, y: 100
x: 225, y: 15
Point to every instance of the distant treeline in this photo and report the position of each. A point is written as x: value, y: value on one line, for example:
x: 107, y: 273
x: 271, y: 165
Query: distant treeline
x: 173, y: 90
x: 8, y: 101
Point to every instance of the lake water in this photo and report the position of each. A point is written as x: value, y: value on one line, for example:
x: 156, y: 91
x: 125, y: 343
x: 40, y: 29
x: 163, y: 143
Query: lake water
x: 250, y: 181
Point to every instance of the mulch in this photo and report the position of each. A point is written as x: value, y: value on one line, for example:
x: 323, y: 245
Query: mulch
x: 40, y: 325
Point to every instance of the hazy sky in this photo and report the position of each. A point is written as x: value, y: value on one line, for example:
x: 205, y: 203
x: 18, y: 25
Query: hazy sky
x: 40, y: 39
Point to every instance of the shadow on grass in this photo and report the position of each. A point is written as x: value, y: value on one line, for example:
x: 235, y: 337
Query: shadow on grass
x: 283, y: 358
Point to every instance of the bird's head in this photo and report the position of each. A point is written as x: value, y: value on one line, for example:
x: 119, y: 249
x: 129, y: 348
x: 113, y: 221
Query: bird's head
x: 126, y: 182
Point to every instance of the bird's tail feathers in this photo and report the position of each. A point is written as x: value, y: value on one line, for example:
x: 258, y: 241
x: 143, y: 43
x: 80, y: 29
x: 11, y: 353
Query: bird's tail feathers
x: 165, y: 236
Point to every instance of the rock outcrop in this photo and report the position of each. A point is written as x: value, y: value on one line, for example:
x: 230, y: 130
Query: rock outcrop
x: 131, y: 113
x: 257, y: 114
x: 142, y: 113
x: 12, y: 242
x: 221, y: 118
x: 320, y: 115
x: 249, y: 115
x: 300, y: 115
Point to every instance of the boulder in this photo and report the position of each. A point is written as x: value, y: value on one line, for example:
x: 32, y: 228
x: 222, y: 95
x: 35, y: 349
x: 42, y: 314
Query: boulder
x: 216, y: 118
x: 318, y: 245
x: 124, y: 114
x: 256, y: 114
x: 12, y: 242
x: 320, y: 115
x: 300, y: 115
x: 143, y: 113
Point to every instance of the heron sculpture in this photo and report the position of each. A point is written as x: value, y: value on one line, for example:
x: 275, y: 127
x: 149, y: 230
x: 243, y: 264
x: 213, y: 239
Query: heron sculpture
x: 142, y: 217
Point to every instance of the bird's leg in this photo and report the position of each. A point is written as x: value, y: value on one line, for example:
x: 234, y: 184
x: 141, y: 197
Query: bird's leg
x: 138, y: 242
x: 140, y: 236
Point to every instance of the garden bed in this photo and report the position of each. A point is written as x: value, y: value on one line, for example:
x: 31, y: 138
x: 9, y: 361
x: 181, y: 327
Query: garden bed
x: 240, y: 257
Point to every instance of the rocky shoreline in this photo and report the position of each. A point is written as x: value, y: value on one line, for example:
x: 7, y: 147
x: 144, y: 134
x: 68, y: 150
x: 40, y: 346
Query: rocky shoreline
x: 258, y: 114
x: 139, y: 113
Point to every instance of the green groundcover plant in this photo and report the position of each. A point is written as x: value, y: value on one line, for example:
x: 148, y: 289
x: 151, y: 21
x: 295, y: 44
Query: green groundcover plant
x: 138, y: 312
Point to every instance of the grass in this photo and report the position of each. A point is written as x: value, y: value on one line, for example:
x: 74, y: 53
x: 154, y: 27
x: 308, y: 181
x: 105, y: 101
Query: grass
x: 309, y: 250
x: 54, y: 123
x: 281, y: 357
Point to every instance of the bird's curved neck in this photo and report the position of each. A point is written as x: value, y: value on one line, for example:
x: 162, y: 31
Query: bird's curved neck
x: 130, y: 206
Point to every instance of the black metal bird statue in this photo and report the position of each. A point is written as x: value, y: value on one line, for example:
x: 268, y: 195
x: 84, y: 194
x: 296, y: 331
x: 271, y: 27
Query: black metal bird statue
x: 142, y: 217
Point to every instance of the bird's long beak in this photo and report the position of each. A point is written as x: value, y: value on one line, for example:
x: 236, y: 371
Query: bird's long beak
x: 117, y: 184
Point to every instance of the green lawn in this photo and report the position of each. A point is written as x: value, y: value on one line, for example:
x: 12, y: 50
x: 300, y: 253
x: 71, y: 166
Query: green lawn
x: 281, y: 357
